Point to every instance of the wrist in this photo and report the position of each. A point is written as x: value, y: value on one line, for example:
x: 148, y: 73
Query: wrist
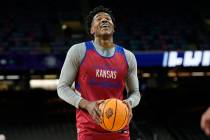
x: 83, y: 104
x: 129, y: 102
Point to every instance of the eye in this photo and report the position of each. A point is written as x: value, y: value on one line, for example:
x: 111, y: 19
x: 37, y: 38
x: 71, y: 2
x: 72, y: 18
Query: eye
x: 98, y: 18
x: 108, y: 18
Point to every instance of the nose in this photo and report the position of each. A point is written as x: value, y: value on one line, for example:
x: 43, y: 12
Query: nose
x: 104, y: 20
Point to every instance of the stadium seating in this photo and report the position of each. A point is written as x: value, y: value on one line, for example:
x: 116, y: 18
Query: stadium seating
x: 36, y: 34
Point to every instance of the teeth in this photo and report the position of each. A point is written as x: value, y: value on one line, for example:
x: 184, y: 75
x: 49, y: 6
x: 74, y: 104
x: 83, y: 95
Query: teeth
x: 104, y: 25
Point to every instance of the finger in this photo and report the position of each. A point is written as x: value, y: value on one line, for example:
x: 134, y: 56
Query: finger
x: 97, y: 121
x: 97, y: 110
x: 100, y: 102
x: 128, y: 105
x: 96, y: 118
x: 130, y: 111
x: 97, y: 113
x: 130, y: 117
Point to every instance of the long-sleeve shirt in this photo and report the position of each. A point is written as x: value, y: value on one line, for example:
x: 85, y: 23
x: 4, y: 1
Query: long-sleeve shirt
x: 74, y: 57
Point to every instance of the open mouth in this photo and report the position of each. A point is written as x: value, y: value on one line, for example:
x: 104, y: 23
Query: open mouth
x: 104, y: 26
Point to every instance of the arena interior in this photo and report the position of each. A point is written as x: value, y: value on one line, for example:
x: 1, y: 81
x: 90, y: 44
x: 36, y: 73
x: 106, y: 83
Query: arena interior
x: 171, y: 42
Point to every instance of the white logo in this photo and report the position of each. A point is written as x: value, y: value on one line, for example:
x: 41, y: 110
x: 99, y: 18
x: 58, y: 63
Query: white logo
x: 189, y: 59
x: 107, y: 74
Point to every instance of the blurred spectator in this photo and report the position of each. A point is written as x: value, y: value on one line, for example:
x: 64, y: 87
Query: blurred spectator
x: 2, y: 137
x: 205, y: 122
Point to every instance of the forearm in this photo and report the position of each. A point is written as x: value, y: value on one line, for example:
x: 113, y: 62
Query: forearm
x: 134, y: 98
x: 132, y: 83
x: 69, y: 95
x: 68, y: 75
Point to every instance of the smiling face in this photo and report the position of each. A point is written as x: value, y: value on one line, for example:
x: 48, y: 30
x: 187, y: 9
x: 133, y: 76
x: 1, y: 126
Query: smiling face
x: 102, y: 25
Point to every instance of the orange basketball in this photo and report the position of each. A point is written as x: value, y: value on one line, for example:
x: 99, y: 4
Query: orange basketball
x: 115, y: 114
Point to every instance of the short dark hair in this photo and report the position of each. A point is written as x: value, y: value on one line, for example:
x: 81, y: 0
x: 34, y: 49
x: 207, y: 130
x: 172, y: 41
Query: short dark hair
x: 89, y: 18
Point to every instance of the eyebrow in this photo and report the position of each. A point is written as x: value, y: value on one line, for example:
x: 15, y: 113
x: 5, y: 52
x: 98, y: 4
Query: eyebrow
x: 106, y: 14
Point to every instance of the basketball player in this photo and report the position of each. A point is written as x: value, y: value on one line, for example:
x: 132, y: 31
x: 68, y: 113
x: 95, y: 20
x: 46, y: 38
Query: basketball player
x: 2, y: 137
x: 205, y: 122
x: 101, y: 70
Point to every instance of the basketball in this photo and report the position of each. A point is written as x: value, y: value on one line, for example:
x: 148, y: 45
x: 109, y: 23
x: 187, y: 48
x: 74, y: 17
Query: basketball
x: 114, y: 114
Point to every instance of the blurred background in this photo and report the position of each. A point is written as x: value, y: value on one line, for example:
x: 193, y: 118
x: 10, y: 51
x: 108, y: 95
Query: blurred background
x: 171, y: 42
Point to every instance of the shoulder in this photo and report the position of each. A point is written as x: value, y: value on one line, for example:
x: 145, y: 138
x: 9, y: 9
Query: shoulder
x: 130, y: 57
x: 77, y: 52
x: 128, y: 53
x: 76, y: 48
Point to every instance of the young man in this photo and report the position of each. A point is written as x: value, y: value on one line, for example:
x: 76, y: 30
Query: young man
x: 101, y: 70
x: 205, y: 122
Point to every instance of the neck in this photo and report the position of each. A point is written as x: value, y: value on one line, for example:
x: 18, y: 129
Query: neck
x: 106, y: 43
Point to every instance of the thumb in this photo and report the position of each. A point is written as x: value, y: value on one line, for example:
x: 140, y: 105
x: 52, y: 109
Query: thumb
x: 99, y: 102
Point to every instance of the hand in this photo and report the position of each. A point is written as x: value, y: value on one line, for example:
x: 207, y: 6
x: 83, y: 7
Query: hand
x: 93, y: 109
x: 205, y: 122
x: 129, y: 109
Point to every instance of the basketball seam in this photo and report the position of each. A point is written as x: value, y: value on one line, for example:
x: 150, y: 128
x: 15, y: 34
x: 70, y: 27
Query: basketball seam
x: 114, y: 115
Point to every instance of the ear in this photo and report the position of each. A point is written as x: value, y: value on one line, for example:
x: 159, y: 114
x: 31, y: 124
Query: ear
x: 92, y: 31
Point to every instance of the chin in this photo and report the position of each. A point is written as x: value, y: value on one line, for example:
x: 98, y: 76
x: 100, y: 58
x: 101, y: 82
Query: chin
x: 106, y: 33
